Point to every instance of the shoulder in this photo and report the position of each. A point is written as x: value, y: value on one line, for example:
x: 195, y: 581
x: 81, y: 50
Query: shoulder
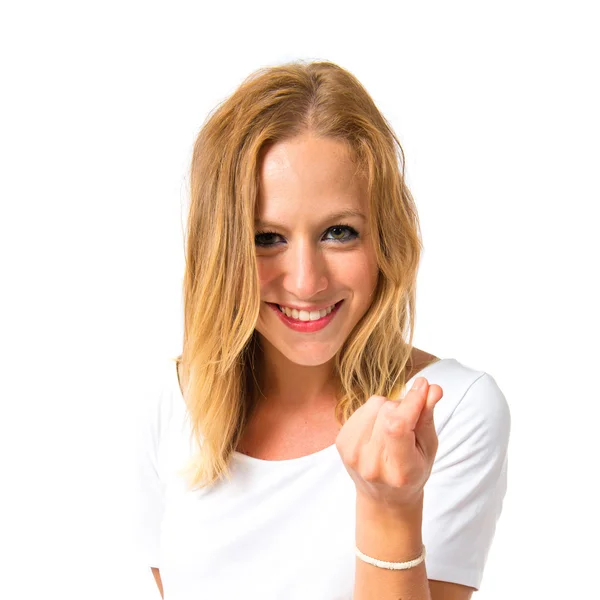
x: 158, y: 392
x: 467, y: 392
x: 473, y: 417
x: 419, y: 360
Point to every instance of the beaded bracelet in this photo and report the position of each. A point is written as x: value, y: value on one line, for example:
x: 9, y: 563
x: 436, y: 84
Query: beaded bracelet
x: 391, y: 565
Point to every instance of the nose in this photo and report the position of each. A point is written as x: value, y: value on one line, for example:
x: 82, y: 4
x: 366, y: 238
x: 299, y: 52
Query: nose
x: 306, y: 271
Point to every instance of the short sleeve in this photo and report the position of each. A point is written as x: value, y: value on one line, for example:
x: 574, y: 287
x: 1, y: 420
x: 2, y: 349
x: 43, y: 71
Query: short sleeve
x: 464, y: 494
x: 147, y: 487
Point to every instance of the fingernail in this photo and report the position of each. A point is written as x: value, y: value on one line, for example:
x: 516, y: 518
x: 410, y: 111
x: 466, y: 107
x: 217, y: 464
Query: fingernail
x: 419, y: 383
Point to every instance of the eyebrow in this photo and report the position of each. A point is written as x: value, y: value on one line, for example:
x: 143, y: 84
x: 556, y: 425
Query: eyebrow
x: 342, y: 214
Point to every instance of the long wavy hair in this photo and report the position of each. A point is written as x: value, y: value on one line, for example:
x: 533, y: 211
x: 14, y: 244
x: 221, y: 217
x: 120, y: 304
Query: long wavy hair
x: 221, y: 291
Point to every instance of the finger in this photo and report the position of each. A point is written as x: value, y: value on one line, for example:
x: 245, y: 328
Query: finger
x: 357, y: 429
x: 398, y: 419
x: 410, y: 407
x: 425, y: 429
x: 389, y: 452
x: 434, y: 395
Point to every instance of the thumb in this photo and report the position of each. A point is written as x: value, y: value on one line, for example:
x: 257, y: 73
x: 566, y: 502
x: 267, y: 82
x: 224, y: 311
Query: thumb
x: 410, y: 407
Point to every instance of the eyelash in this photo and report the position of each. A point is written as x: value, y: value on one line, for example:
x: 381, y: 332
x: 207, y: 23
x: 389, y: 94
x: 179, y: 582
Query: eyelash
x: 353, y: 235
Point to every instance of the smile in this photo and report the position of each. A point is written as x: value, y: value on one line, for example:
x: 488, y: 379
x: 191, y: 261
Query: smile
x: 305, y: 315
x: 306, y: 321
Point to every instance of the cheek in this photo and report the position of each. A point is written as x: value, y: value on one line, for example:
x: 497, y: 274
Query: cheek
x: 267, y: 271
x: 358, y: 271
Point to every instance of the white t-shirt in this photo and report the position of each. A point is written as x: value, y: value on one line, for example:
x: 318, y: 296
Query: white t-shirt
x: 286, y: 529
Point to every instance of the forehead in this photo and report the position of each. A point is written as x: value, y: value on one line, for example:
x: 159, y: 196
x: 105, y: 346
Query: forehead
x: 309, y: 173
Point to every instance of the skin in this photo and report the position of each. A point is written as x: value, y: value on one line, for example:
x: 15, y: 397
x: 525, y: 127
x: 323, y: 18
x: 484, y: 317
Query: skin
x: 303, y: 181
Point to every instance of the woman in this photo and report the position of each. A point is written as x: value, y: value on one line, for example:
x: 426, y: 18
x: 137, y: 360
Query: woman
x: 276, y: 460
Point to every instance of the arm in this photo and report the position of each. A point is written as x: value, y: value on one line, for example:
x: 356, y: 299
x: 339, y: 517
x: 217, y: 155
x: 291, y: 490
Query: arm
x: 158, y: 580
x: 444, y: 590
x: 396, y: 538
x: 391, y: 537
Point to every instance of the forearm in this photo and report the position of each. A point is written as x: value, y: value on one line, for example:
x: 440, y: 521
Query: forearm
x: 394, y: 537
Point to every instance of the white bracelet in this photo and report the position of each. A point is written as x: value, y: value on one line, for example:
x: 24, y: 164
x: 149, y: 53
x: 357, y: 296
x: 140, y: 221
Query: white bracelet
x: 391, y: 565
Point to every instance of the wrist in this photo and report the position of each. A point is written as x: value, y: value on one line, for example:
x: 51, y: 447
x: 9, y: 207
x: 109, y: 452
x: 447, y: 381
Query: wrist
x: 389, y: 533
x: 406, y: 513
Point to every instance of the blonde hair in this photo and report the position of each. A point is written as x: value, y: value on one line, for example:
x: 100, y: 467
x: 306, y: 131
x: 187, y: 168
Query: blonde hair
x: 221, y: 290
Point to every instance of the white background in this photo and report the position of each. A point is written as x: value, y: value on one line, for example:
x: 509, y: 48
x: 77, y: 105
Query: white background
x: 496, y: 106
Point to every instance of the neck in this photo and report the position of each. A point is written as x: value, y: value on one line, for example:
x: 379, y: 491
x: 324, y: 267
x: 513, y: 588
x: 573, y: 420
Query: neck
x: 291, y: 386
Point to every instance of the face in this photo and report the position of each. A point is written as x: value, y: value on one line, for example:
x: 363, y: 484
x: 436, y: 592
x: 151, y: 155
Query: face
x: 313, y: 249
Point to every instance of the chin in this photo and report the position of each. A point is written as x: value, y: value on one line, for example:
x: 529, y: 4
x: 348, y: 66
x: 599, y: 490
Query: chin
x: 309, y: 360
x: 307, y: 354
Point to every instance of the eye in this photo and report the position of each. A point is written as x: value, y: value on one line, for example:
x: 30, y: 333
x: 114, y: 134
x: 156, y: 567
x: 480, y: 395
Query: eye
x: 343, y: 233
x: 265, y: 238
x: 339, y: 233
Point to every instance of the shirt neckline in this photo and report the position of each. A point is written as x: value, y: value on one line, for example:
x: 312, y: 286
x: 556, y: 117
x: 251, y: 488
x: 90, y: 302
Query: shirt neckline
x: 244, y: 458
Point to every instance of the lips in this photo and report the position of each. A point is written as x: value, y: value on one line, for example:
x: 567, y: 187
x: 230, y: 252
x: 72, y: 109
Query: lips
x: 306, y: 326
x: 302, y: 314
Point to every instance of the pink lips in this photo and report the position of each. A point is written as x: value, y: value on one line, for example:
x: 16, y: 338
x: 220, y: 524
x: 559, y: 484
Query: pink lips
x: 306, y: 326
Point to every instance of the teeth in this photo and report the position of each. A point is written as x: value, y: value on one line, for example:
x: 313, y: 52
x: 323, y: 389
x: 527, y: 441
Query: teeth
x: 304, y: 315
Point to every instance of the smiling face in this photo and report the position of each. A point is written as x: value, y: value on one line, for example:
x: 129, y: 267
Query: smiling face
x: 313, y: 249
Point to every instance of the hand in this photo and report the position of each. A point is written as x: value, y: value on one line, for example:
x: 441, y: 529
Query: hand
x: 388, y: 447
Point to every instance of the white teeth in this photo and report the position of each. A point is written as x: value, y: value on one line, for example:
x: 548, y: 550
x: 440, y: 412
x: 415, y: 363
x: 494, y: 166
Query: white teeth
x: 304, y: 315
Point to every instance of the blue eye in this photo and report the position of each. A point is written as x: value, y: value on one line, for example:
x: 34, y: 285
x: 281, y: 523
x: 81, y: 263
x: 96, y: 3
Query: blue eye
x: 265, y: 239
